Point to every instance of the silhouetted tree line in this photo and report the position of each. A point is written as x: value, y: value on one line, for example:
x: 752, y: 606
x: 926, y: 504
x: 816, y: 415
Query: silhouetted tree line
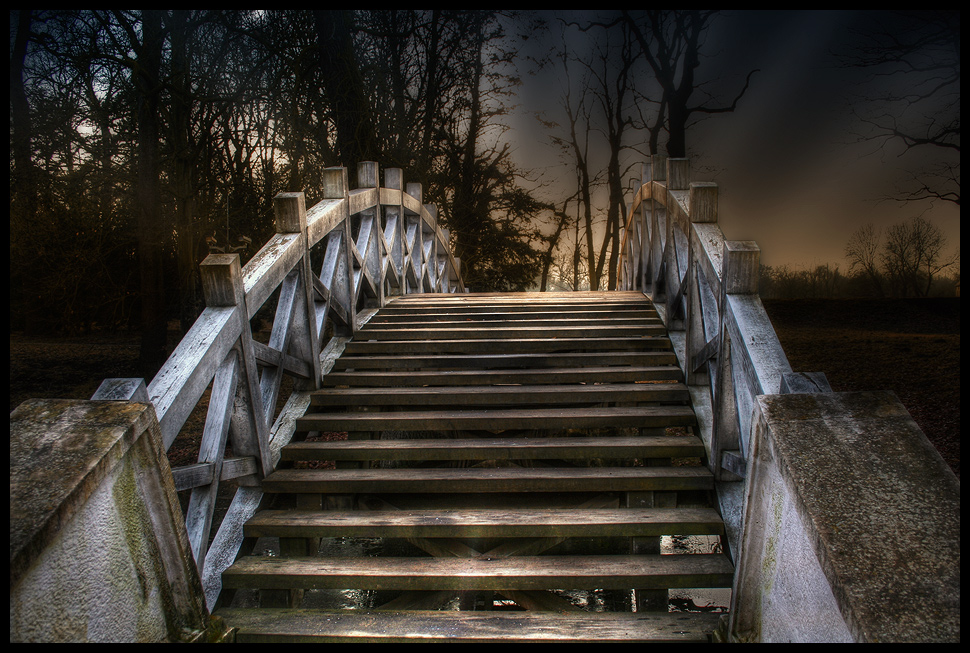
x: 140, y: 140
x: 911, y: 262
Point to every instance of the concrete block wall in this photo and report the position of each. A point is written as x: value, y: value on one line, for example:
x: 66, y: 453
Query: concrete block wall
x: 851, y: 527
x: 98, y: 550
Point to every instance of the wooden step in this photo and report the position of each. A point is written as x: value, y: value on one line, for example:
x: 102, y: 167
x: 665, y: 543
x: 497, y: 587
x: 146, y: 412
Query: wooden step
x: 481, y: 321
x: 488, y: 480
x: 485, y: 523
x: 485, y: 345
x: 510, y: 332
x: 595, y: 297
x: 507, y: 361
x: 420, y: 626
x: 630, y: 374
x: 524, y: 314
x: 497, y: 448
x: 498, y: 419
x: 481, y: 573
x: 471, y: 395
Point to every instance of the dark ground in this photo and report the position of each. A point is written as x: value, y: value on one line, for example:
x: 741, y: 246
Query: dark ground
x: 911, y: 347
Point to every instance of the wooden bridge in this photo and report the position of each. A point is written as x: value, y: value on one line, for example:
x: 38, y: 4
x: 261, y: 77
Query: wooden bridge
x: 531, y: 455
x: 520, y: 460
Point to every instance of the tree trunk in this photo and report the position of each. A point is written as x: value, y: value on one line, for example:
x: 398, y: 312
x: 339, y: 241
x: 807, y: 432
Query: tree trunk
x: 148, y: 196
x: 184, y: 174
x: 343, y: 85
x: 23, y: 190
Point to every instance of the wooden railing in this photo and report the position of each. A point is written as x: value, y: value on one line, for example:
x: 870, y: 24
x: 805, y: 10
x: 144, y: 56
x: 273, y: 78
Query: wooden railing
x: 337, y: 261
x: 706, y: 288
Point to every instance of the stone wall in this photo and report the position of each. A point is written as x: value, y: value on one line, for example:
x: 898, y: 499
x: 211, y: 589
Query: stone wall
x: 851, y: 526
x: 98, y: 550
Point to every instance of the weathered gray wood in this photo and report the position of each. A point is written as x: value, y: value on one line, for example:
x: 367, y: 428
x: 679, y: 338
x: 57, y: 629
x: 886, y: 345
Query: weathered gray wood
x: 496, y: 419
x: 616, y: 374
x: 804, y: 382
x: 503, y: 479
x: 504, y: 395
x: 198, y: 515
x: 463, y: 627
x: 122, y: 390
x: 183, y: 378
x: 291, y: 216
x: 486, y: 361
x: 267, y: 269
x: 703, y: 201
x: 741, y: 267
x: 521, y: 313
x: 222, y: 283
x: 486, y: 523
x: 466, y: 321
x: 190, y: 476
x: 498, y: 448
x: 516, y: 345
x: 539, y: 572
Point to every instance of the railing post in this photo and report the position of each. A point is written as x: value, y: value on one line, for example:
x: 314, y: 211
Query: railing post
x: 414, y: 239
x: 223, y: 286
x: 290, y: 211
x: 368, y: 176
x: 739, y: 276
x: 429, y: 243
x: 678, y: 179
x: 336, y: 186
x: 658, y: 228
x: 701, y: 346
x: 394, y: 226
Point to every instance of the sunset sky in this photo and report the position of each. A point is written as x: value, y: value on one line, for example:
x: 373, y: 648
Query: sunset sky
x: 792, y: 174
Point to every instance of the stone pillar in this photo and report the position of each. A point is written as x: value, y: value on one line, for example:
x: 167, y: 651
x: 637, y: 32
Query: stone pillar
x: 98, y: 547
x: 852, y: 525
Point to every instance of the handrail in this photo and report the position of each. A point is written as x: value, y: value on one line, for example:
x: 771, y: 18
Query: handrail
x: 706, y: 289
x: 375, y: 242
x: 788, y: 525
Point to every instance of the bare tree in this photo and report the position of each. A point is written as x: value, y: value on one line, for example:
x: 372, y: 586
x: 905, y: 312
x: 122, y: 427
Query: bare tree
x: 862, y: 251
x: 914, y: 57
x: 671, y: 42
x: 913, y: 256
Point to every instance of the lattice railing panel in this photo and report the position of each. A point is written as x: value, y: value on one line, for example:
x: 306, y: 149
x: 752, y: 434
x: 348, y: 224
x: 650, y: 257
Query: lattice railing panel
x: 374, y: 242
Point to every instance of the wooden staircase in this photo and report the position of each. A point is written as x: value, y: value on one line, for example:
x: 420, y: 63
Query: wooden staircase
x: 508, y: 448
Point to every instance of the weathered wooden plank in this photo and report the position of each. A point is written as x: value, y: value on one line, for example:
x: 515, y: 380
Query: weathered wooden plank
x: 509, y: 297
x: 483, y: 523
x: 183, y: 378
x: 198, y: 515
x: 190, y: 476
x: 516, y: 345
x: 418, y: 626
x: 398, y: 378
x: 460, y: 321
x: 465, y: 303
x: 498, y: 419
x: 521, y: 572
x: 498, y: 448
x: 524, y: 316
x: 264, y: 272
x: 503, y: 395
x: 584, y: 331
x: 477, y: 479
x: 510, y: 360
x: 485, y: 361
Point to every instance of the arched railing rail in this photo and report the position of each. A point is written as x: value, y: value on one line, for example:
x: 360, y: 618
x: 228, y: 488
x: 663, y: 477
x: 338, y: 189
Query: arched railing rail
x: 337, y: 261
x: 706, y: 288
x: 826, y: 476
